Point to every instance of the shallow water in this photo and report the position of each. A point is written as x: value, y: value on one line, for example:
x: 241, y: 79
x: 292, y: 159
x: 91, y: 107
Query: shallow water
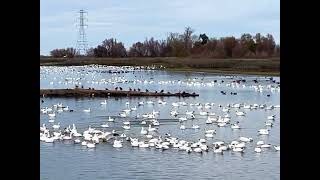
x: 65, y: 160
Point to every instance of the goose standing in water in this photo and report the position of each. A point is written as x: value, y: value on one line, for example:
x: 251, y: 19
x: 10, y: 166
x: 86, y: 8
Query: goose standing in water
x: 43, y: 128
x: 151, y: 129
x: 143, y: 131
x: 104, y: 102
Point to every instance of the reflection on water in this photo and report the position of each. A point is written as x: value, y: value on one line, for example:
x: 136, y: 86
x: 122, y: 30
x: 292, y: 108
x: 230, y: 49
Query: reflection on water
x: 65, y: 160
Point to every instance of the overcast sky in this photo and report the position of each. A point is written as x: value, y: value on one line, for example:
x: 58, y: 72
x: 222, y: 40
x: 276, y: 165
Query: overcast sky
x: 133, y: 20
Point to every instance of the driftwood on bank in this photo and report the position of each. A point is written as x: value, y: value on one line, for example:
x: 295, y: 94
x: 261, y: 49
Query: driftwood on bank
x: 79, y: 92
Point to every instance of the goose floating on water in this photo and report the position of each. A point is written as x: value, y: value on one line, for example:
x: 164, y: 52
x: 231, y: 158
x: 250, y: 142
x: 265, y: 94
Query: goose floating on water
x: 87, y: 110
x: 277, y: 148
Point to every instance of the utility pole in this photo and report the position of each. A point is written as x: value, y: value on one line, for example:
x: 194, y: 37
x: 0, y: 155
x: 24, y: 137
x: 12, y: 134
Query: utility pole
x: 82, y: 44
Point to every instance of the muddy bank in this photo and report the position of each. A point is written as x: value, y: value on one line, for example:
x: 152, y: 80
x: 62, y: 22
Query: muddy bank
x: 78, y: 92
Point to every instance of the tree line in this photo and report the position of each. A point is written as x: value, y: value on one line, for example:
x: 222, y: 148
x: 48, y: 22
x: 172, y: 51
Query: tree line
x: 186, y: 44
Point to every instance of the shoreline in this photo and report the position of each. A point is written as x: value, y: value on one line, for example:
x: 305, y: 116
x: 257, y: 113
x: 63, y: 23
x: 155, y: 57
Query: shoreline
x: 259, y: 67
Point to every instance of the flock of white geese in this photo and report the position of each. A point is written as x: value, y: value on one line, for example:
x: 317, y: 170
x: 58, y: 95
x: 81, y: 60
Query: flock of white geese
x: 147, y: 138
x: 75, y: 76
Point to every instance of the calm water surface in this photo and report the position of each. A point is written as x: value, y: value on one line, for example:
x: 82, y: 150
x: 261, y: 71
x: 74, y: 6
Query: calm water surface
x: 66, y: 160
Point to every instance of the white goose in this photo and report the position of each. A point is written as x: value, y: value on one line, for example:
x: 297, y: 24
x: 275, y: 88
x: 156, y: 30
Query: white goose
x: 266, y: 146
x: 217, y: 150
x: 56, y: 126
x: 238, y: 149
x: 149, y: 102
x: 87, y: 110
x: 143, y: 145
x: 117, y: 144
x: 195, y: 127
x: 210, y: 131
x: 271, y: 117
x: 149, y: 136
x: 67, y: 137
x: 240, y: 113
x: 277, y: 148
x: 263, y: 131
x: 134, y: 142
x: 110, y: 119
x: 235, y: 126
x: 260, y: 143
x: 182, y: 119
x: 257, y: 150
x: 203, y: 113
x: 174, y: 113
x: 51, y: 115
x: 268, y: 123
x: 182, y: 127
x: 91, y: 145
x: 209, y: 135
x: 134, y: 108
x: 245, y: 139
x: 123, y: 114
x: 222, y: 124
x: 105, y: 125
x: 126, y: 127
x: 198, y: 150
x: 151, y: 129
x: 155, y: 122
x: 84, y: 143
x: 143, y: 131
x: 104, y: 102
x: 43, y: 128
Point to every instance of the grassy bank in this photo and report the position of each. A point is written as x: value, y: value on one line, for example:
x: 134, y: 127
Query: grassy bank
x: 221, y: 66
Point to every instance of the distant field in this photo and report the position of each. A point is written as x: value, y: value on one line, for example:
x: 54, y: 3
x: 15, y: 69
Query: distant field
x: 227, y: 66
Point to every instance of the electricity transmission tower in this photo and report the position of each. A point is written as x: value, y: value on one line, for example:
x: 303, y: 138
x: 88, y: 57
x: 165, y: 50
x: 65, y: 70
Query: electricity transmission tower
x: 82, y: 44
